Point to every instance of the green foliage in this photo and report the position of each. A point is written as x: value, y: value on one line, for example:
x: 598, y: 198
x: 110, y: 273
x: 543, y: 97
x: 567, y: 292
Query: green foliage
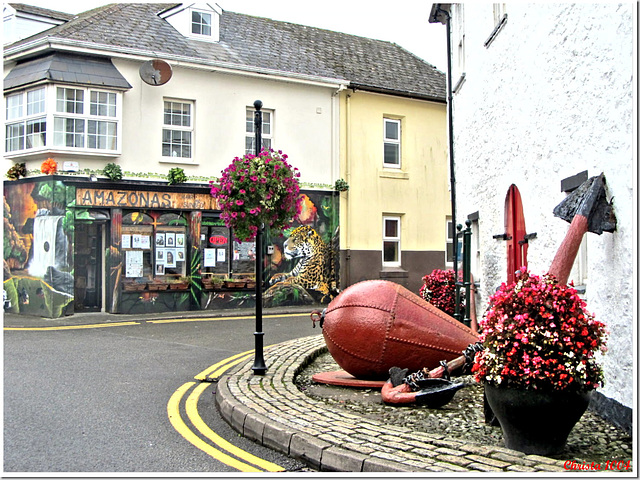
x: 176, y: 175
x: 112, y: 171
x: 16, y: 171
x: 341, y: 185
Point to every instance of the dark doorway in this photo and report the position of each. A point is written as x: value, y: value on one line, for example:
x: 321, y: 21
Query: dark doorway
x: 88, y: 267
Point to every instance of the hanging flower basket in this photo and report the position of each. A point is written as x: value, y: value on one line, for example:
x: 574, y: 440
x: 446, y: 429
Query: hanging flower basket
x: 255, y: 191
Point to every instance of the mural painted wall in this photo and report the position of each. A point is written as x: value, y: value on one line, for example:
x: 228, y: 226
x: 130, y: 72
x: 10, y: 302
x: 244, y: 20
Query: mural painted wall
x: 300, y: 266
x: 66, y: 251
x: 38, y: 256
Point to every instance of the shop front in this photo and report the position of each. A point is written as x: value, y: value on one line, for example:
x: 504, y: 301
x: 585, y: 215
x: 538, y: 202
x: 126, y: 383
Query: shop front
x: 72, y: 245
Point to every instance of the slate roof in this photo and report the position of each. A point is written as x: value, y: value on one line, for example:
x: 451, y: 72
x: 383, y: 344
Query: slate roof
x: 67, y: 68
x: 43, y: 12
x: 255, y: 42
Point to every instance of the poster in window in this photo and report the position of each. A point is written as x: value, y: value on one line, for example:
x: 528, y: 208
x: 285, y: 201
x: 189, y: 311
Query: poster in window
x: 136, y: 241
x: 126, y: 240
x: 160, y: 269
x: 180, y: 240
x: 170, y: 258
x: 222, y: 254
x: 160, y: 256
x: 180, y: 253
x: 159, y: 239
x: 210, y: 257
x: 133, y: 263
x: 171, y: 239
x: 145, y: 242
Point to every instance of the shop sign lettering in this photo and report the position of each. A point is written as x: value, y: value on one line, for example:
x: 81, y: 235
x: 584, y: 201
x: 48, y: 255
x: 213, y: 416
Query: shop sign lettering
x: 93, y: 197
x: 217, y: 240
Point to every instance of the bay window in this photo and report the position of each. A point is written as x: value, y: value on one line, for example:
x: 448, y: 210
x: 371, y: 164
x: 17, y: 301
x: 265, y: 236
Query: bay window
x: 82, y: 118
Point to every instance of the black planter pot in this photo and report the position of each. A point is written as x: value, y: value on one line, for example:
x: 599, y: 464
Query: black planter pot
x: 536, y: 422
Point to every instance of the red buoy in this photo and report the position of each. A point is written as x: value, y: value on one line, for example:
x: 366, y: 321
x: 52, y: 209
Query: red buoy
x: 375, y: 325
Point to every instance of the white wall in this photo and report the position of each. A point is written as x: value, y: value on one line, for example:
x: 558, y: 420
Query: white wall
x: 302, y: 121
x: 549, y: 98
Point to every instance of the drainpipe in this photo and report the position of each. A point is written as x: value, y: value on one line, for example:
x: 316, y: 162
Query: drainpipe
x: 440, y: 14
x: 347, y: 233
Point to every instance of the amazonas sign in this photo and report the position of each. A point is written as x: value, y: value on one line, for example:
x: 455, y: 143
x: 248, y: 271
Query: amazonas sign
x: 95, y: 197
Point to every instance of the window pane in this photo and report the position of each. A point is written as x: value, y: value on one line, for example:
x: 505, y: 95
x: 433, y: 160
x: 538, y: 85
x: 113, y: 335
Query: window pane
x: 391, y: 228
x: 36, y: 133
x: 103, y: 104
x: 250, y: 122
x: 391, y: 130
x: 14, y: 106
x: 102, y: 135
x: 176, y: 143
x: 15, y: 137
x: 391, y: 154
x: 390, y: 252
x: 201, y: 23
x: 176, y: 113
x: 70, y: 100
x: 68, y: 132
x: 35, y: 102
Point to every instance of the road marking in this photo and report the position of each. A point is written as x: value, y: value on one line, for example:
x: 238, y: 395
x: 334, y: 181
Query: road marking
x: 72, y: 327
x: 198, y: 423
x: 213, y: 319
x: 124, y: 324
x: 173, y: 410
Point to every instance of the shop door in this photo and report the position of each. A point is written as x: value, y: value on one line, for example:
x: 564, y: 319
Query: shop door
x: 88, y: 266
x: 515, y: 229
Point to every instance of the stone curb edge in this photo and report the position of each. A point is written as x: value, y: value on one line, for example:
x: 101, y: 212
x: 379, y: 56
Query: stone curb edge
x: 312, y: 451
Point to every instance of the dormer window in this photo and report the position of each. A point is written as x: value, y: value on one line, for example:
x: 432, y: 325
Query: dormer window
x: 201, y: 23
x: 198, y: 21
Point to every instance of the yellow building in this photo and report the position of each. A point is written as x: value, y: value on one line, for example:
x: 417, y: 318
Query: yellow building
x: 393, y: 218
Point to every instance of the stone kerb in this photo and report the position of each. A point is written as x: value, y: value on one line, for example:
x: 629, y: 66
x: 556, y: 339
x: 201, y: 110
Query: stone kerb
x: 272, y: 411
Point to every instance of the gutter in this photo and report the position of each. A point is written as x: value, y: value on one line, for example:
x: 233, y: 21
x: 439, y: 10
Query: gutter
x: 398, y: 93
x: 128, y: 53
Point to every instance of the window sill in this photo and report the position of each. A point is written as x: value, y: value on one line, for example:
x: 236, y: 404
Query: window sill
x: 50, y: 152
x: 178, y: 161
x: 388, y: 173
x: 496, y: 30
x: 393, y: 272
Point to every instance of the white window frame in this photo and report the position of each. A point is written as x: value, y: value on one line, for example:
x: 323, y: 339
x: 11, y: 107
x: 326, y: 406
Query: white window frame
x: 392, y: 141
x: 250, y: 132
x: 392, y: 239
x: 201, y: 25
x: 451, y: 232
x: 45, y: 126
x: 181, y: 129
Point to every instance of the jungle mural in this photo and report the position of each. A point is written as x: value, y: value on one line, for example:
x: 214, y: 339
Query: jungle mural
x: 300, y: 268
x: 38, y: 254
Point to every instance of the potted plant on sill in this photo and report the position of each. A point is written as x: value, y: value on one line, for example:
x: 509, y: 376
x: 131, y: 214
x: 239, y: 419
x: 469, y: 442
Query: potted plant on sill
x: 539, y: 363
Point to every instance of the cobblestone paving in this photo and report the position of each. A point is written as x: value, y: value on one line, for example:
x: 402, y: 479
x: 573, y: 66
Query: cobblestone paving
x: 271, y: 410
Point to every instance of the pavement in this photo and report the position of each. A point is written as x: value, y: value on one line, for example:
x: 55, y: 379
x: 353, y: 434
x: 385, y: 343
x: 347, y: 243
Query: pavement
x: 270, y: 410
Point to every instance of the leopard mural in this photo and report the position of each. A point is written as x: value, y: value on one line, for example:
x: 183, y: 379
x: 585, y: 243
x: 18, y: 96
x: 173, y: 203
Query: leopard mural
x: 315, y: 271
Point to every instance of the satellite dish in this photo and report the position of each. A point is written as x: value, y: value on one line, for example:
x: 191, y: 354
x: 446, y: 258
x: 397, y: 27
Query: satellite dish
x: 155, y: 72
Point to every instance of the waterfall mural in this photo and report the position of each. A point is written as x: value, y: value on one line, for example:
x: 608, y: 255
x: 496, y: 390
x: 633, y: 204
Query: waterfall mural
x: 37, y: 261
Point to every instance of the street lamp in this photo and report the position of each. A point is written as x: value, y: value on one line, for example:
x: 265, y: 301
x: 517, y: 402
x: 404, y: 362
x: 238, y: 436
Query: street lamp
x: 259, y: 367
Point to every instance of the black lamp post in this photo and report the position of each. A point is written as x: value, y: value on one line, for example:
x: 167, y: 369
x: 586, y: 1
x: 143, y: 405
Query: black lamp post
x: 259, y: 367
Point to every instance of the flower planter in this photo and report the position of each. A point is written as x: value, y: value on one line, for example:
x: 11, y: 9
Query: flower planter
x: 234, y: 284
x: 536, y: 422
x: 251, y: 285
x: 134, y: 287
x: 178, y: 286
x: 157, y: 286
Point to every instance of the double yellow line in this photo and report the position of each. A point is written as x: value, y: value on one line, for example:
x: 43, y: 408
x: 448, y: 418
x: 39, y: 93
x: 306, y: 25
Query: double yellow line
x: 215, y: 444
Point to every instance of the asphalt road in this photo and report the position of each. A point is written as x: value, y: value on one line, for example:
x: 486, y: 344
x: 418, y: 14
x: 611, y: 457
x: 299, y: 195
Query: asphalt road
x: 95, y: 399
